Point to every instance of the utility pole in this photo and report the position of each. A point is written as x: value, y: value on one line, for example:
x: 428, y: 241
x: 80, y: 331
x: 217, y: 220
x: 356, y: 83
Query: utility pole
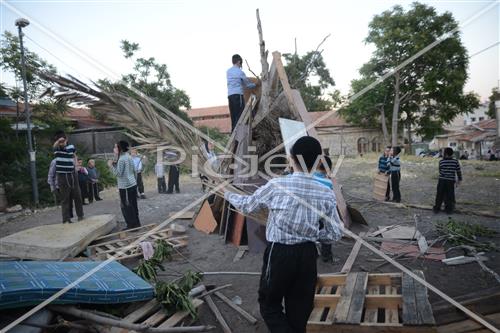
x: 22, y: 23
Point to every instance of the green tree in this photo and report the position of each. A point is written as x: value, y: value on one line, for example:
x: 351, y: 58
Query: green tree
x: 152, y: 79
x: 310, y: 76
x: 428, y: 92
x: 10, y: 56
x: 495, y: 96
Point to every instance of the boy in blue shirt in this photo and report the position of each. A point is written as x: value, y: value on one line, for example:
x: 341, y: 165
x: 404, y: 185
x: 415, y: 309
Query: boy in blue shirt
x: 395, y: 172
x: 383, y: 167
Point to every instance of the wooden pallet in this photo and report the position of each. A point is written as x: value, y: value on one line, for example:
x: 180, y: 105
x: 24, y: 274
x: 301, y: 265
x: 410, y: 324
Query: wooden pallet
x: 122, y: 248
x: 151, y: 313
x: 124, y: 234
x: 362, y: 302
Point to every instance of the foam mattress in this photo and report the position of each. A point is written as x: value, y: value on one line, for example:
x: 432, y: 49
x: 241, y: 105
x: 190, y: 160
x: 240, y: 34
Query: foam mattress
x: 25, y: 283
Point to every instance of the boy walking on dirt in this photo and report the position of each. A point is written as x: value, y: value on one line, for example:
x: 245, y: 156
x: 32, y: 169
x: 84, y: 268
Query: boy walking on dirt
x: 297, y: 206
x: 449, y: 171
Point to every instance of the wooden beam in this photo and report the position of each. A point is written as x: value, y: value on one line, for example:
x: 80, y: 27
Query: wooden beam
x: 236, y: 308
x: 352, y: 256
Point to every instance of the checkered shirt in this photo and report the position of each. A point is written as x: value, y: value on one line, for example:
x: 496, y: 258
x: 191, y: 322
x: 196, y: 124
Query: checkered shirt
x: 296, y: 203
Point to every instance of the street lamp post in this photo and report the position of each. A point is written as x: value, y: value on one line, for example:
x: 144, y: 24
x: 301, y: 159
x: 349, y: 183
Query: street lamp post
x: 22, y: 23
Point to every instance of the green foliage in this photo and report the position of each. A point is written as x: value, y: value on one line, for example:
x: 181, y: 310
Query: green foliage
x: 461, y: 233
x: 10, y: 56
x: 147, y: 269
x: 152, y: 79
x: 175, y: 296
x: 302, y: 71
x: 430, y: 87
x: 495, y: 96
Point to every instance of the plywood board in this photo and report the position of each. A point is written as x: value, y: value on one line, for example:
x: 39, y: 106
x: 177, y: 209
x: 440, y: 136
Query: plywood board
x: 342, y: 206
x: 57, y: 241
x: 433, y: 253
x: 237, y: 230
x: 401, y: 232
x: 291, y: 131
x: 205, y: 221
x: 380, y: 183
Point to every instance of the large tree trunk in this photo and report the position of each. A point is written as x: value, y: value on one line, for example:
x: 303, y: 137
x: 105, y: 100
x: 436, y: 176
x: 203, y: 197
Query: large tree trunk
x: 384, y: 125
x: 395, y: 111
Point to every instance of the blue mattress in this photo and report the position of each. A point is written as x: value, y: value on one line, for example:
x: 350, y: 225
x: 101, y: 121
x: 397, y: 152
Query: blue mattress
x: 24, y: 283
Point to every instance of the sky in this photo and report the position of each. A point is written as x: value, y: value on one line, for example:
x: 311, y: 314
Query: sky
x: 196, y: 38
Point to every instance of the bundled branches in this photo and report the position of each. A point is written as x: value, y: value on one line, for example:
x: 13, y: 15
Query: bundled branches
x: 460, y: 233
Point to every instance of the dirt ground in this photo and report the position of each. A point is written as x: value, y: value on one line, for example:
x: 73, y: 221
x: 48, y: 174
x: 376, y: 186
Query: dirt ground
x: 480, y: 190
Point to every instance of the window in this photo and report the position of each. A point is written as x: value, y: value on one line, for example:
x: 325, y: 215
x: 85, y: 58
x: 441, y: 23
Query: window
x: 481, y: 118
x: 453, y: 144
x: 362, y: 145
x: 473, y: 119
x: 326, y: 151
x: 376, y: 144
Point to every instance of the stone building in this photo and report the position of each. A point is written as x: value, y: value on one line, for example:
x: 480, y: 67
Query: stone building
x: 336, y: 135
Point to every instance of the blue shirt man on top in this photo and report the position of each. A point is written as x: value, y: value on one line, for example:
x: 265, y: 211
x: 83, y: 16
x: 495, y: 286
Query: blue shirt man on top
x: 237, y: 82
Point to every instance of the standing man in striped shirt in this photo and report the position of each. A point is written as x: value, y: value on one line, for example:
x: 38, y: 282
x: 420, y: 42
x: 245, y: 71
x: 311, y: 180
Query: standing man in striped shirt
x: 297, y: 205
x: 394, y: 164
x: 449, y: 171
x: 66, y: 177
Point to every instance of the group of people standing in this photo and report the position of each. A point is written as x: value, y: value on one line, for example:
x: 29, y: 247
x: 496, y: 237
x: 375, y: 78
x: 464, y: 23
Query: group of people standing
x: 389, y: 163
x: 72, y: 183
x: 450, y: 176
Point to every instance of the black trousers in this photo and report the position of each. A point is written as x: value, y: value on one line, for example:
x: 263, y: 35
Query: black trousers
x: 236, y: 106
x: 69, y: 190
x: 173, y: 178
x: 140, y: 184
x: 128, y: 204
x: 83, y: 184
x: 162, y: 187
x: 388, y: 191
x: 446, y: 193
x: 395, y: 178
x: 93, y: 191
x: 289, y: 273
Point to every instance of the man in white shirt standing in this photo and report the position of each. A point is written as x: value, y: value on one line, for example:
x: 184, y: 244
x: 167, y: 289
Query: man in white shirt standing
x: 139, y: 166
x: 237, y: 82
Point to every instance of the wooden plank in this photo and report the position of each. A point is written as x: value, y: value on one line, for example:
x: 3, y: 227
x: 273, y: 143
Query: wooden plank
x: 422, y: 244
x: 383, y: 229
x: 380, y: 301
x: 304, y: 114
x: 342, y: 309
x: 284, y: 82
x: 469, y: 325
x: 371, y: 313
x: 320, y: 327
x: 126, y: 233
x: 218, y: 315
x: 391, y: 313
x: 236, y: 308
x: 184, y: 216
x: 331, y: 313
x: 148, y: 308
x: 179, y: 316
x: 331, y: 279
x: 156, y: 318
x: 358, y: 299
x: 352, y: 256
x: 238, y: 226
x: 410, y: 315
x: 424, y: 308
x: 342, y: 206
x: 318, y: 310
